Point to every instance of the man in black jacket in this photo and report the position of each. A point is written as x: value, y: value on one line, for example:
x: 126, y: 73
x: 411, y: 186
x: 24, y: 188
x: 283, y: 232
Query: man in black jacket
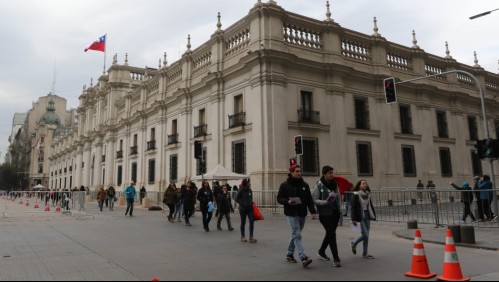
x: 294, y: 194
x: 466, y: 198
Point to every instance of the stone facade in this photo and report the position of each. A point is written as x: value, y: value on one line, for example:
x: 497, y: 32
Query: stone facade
x: 272, y: 75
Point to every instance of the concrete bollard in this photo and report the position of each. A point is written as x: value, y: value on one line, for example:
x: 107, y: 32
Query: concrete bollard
x: 456, y: 232
x: 414, y: 202
x: 412, y: 224
x: 390, y: 203
x: 146, y: 203
x: 121, y: 201
x: 468, y: 234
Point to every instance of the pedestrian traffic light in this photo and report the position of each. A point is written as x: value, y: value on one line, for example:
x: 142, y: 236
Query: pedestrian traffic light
x: 198, y: 149
x: 390, y: 90
x: 298, y: 145
x: 292, y: 162
x: 480, y: 148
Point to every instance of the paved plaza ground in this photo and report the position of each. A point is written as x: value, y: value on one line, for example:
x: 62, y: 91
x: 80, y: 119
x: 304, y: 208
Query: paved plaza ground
x: 110, y: 246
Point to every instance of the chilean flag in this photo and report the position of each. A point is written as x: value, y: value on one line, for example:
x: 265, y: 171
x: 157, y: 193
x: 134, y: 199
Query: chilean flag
x: 99, y: 45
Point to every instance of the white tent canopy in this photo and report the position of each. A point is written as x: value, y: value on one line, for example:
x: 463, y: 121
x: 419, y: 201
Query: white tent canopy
x: 220, y: 173
x: 39, y: 186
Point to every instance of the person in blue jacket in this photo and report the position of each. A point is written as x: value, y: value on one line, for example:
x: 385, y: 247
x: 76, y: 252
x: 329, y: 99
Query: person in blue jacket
x: 486, y: 196
x: 130, y: 194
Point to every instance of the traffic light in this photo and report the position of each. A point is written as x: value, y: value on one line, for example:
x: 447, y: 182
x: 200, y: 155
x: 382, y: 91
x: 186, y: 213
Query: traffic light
x: 292, y: 162
x: 480, y: 148
x: 198, y: 149
x: 492, y: 149
x: 298, y: 145
x: 390, y: 90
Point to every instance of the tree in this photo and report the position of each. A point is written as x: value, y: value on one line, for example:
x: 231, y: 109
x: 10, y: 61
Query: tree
x: 9, y: 178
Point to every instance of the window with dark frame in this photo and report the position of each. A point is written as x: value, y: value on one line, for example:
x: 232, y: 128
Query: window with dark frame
x: 120, y: 175
x: 361, y: 113
x: 443, y: 131
x: 309, y: 161
x: 409, y: 161
x: 198, y: 163
x: 405, y: 119
x: 445, y: 162
x: 174, y: 167
x: 364, y: 159
x: 473, y: 128
x: 239, y: 156
x: 476, y: 163
x: 152, y: 170
x: 134, y: 172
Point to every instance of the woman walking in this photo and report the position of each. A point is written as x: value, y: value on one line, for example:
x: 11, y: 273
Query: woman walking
x: 111, y: 194
x: 205, y: 196
x: 245, y: 200
x: 179, y: 204
x: 170, y: 199
x: 189, y: 199
x: 101, y: 197
x: 362, y: 213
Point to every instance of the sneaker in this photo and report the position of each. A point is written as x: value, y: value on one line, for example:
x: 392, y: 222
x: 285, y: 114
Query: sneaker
x: 231, y: 229
x: 252, y: 240
x: 494, y: 218
x: 306, y: 261
x: 354, y: 248
x: 367, y: 257
x: 188, y: 224
x: 323, y: 256
x: 336, y: 263
x: 291, y: 259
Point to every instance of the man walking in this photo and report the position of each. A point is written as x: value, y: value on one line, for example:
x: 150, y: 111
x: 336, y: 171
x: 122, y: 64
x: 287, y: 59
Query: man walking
x: 294, y: 194
x: 466, y: 199
x: 130, y: 194
x: 327, y: 198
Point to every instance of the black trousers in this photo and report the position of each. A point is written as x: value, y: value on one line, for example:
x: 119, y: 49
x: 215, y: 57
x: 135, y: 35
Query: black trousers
x: 480, y: 208
x: 206, y: 219
x: 467, y: 211
x: 330, y: 224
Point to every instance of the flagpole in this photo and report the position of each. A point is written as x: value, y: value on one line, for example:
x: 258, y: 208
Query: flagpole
x: 105, y: 52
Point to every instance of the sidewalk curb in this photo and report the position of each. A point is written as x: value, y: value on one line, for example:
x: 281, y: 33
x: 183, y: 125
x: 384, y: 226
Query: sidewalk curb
x: 472, y: 246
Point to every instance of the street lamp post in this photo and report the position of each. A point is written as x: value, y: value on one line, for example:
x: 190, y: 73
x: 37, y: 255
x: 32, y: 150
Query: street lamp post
x: 483, y: 14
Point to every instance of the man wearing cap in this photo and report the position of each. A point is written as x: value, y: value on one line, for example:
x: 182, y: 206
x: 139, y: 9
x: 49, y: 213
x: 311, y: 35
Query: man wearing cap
x: 294, y: 194
x: 466, y: 198
x: 130, y: 194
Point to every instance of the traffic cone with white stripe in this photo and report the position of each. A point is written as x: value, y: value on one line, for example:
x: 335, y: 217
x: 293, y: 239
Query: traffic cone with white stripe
x: 452, y: 268
x: 419, y: 267
x: 36, y: 204
x: 47, y: 208
x: 27, y: 202
x: 58, y: 208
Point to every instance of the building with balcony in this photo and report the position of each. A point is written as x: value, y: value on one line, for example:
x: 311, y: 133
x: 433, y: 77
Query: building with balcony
x: 268, y: 77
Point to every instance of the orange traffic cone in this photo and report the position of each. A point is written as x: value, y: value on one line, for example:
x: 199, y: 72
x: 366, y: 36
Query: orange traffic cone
x: 452, y: 268
x: 27, y: 202
x: 20, y: 201
x: 36, y: 204
x: 419, y: 267
x: 47, y: 208
x: 58, y: 208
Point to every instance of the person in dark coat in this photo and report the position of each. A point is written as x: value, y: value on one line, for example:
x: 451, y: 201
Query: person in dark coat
x: 205, y: 196
x: 466, y: 198
x: 189, y: 199
x: 245, y: 200
x: 224, y: 208
x: 294, y: 194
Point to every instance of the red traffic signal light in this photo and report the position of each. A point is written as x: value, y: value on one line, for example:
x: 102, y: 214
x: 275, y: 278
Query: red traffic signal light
x: 292, y: 162
x: 390, y: 90
x: 298, y: 140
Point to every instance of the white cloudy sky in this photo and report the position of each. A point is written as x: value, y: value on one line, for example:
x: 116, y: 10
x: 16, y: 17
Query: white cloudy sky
x: 37, y: 33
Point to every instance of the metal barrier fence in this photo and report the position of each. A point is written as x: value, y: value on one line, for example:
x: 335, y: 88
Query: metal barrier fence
x: 43, y: 203
x: 427, y: 206
x: 435, y: 206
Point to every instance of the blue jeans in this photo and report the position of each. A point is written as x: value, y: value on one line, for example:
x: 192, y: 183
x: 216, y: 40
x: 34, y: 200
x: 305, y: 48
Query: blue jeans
x: 247, y: 213
x: 111, y: 203
x: 365, y: 226
x: 297, y: 223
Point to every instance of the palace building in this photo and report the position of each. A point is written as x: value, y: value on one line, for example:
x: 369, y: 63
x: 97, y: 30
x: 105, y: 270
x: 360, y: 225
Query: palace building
x: 247, y: 91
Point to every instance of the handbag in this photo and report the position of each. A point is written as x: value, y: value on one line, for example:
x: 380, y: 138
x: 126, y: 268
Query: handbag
x: 257, y: 215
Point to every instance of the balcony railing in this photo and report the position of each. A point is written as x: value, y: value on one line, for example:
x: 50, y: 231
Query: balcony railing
x: 238, y: 119
x: 309, y: 117
x: 173, y: 139
x: 103, y: 158
x: 200, y: 130
x: 151, y: 145
x: 134, y: 150
x: 119, y: 154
